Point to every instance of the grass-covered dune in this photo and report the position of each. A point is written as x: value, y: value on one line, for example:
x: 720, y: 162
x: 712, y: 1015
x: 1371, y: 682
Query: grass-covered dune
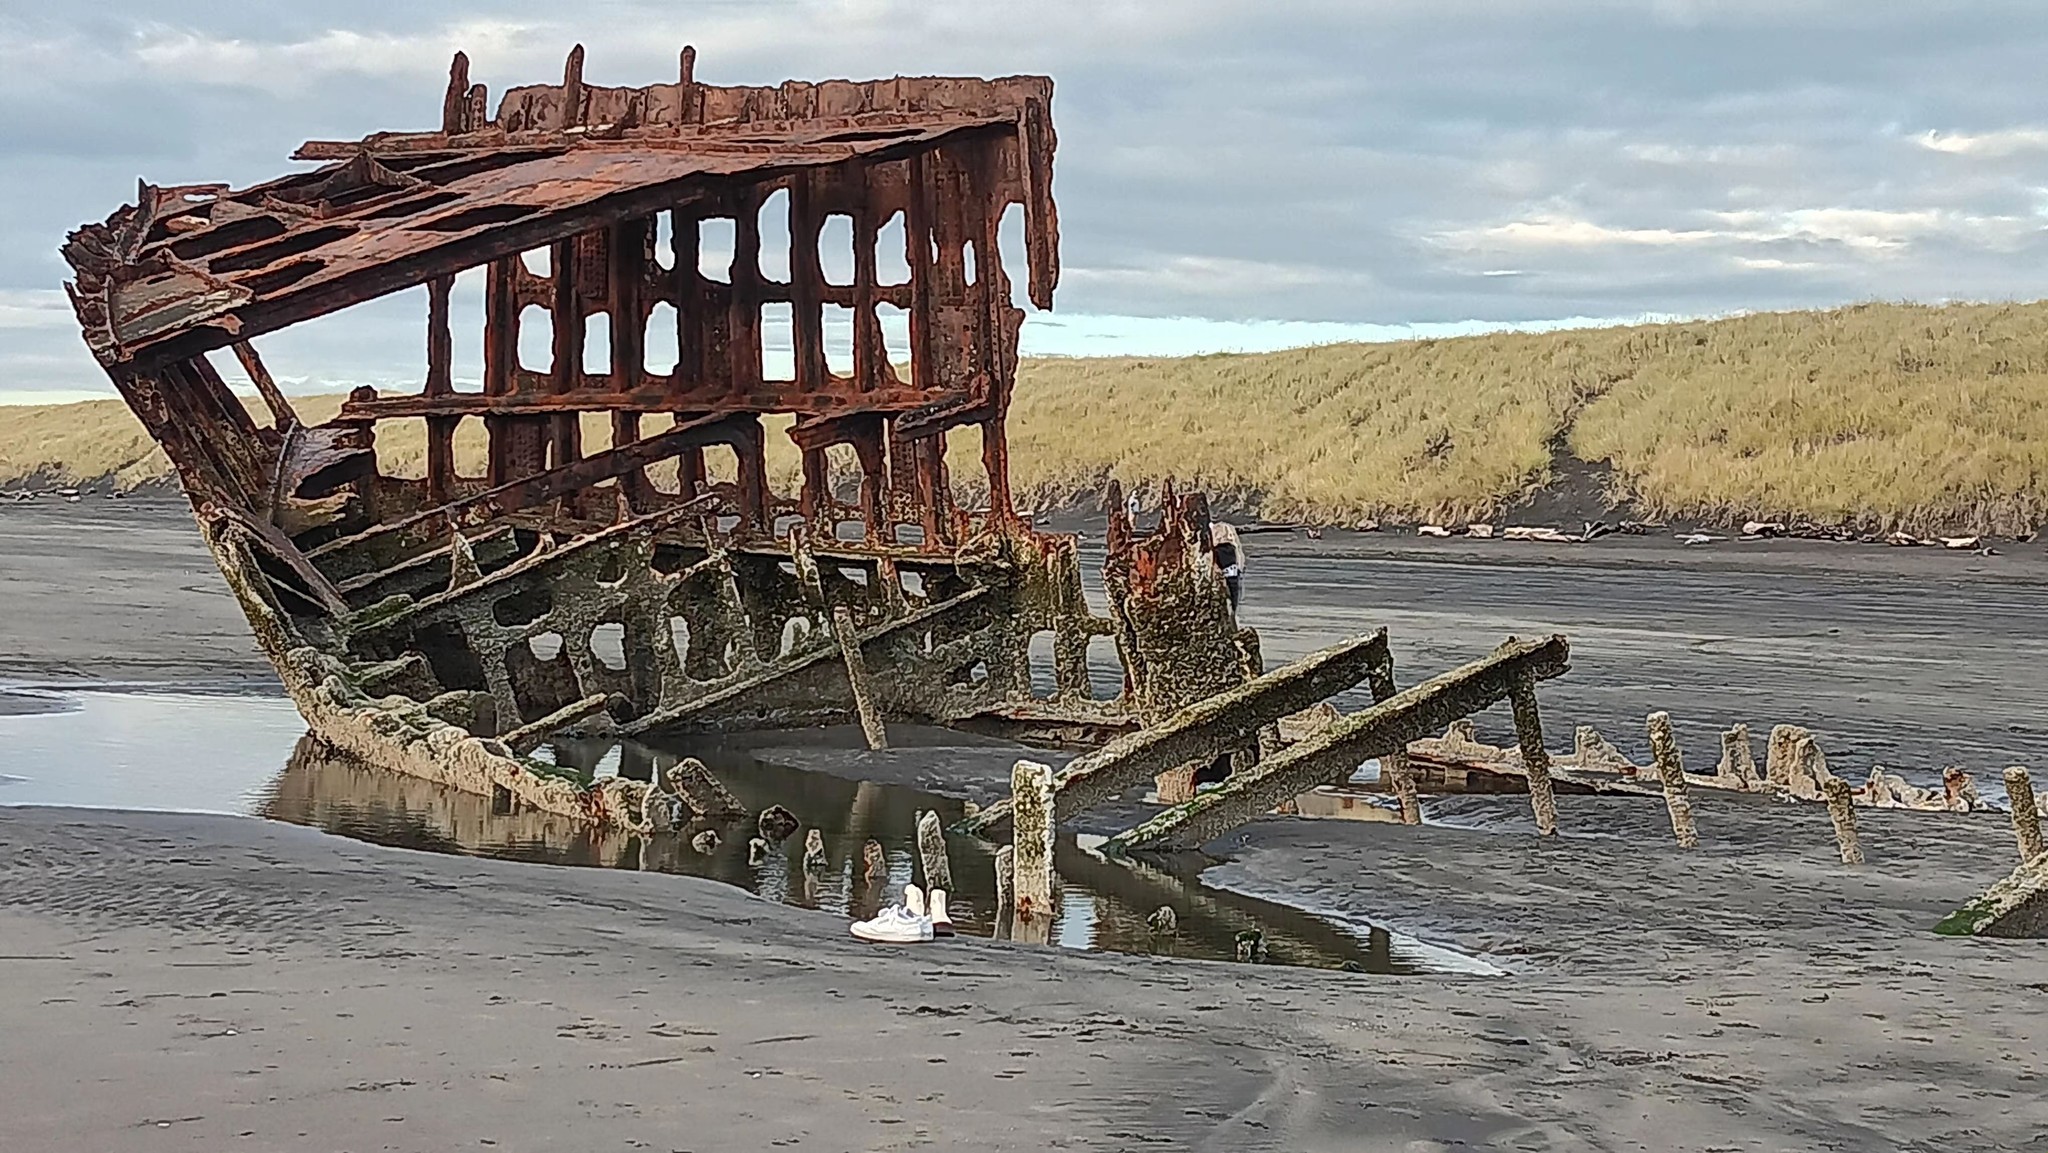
x: 1875, y: 416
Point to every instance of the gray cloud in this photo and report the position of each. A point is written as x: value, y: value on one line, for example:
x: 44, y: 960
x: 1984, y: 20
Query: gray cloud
x: 1390, y: 162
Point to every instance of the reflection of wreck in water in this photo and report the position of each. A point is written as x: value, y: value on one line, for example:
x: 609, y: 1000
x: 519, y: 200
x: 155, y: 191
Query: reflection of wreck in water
x: 443, y: 625
x: 1104, y: 905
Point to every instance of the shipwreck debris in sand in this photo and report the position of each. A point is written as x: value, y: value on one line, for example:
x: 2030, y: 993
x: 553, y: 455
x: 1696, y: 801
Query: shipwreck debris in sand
x: 446, y: 624
x: 1333, y: 754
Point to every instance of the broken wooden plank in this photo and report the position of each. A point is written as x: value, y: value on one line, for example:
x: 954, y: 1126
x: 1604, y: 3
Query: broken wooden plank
x: 1204, y: 729
x: 843, y: 634
x: 1334, y: 754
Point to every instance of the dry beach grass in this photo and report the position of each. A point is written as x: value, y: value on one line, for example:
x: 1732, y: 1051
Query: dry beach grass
x: 1878, y: 415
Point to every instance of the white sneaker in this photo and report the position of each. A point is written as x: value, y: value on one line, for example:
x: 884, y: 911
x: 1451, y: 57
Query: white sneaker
x: 942, y: 925
x: 894, y: 925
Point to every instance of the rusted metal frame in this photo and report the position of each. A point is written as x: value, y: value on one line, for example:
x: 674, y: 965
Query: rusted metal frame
x: 165, y: 404
x: 865, y: 432
x: 540, y: 488
x: 440, y: 382
x: 466, y: 250
x: 282, y: 415
x: 628, y: 277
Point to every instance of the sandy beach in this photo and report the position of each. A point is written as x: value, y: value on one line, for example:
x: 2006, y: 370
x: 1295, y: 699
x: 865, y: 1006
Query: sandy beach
x: 172, y: 981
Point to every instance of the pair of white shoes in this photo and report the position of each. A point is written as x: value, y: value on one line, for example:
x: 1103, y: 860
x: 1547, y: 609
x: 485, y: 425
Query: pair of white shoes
x: 909, y: 922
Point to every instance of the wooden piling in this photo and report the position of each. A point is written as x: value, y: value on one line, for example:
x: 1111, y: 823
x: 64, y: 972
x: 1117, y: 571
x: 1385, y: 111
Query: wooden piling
x: 1671, y: 771
x: 706, y: 795
x: 1006, y: 888
x: 1781, y: 753
x: 1032, y: 824
x: 2026, y: 813
x: 857, y: 676
x: 1842, y: 810
x: 931, y: 850
x: 1380, y: 680
x: 1535, y: 760
x: 1738, y: 758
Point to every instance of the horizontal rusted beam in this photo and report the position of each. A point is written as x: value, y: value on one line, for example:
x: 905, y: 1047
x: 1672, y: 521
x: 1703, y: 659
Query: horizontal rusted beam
x: 1335, y: 753
x: 534, y: 404
x: 1204, y: 730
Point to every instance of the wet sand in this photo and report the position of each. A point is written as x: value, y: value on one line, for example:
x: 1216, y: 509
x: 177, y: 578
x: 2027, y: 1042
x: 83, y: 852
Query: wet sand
x: 171, y: 981
x: 176, y: 982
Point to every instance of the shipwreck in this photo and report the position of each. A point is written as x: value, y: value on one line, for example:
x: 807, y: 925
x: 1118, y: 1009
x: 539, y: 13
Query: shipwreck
x: 641, y: 576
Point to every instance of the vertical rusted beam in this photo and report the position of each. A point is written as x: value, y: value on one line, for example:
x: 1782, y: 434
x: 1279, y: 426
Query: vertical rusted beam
x: 455, y: 104
x: 282, y: 415
x: 917, y: 243
x: 517, y: 444
x: 995, y: 459
x: 628, y: 251
x: 440, y: 382
x: 743, y: 329
x: 572, y: 88
x: 815, y: 499
x: 567, y: 314
x: 751, y: 449
x: 869, y: 351
x: 1041, y: 224
x: 685, y: 245
x: 806, y: 283
x: 868, y: 447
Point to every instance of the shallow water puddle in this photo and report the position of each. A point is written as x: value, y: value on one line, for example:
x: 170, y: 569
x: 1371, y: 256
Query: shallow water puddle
x: 192, y: 752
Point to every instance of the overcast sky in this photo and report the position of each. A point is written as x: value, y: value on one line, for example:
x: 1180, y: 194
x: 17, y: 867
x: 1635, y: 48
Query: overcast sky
x: 1354, y: 169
